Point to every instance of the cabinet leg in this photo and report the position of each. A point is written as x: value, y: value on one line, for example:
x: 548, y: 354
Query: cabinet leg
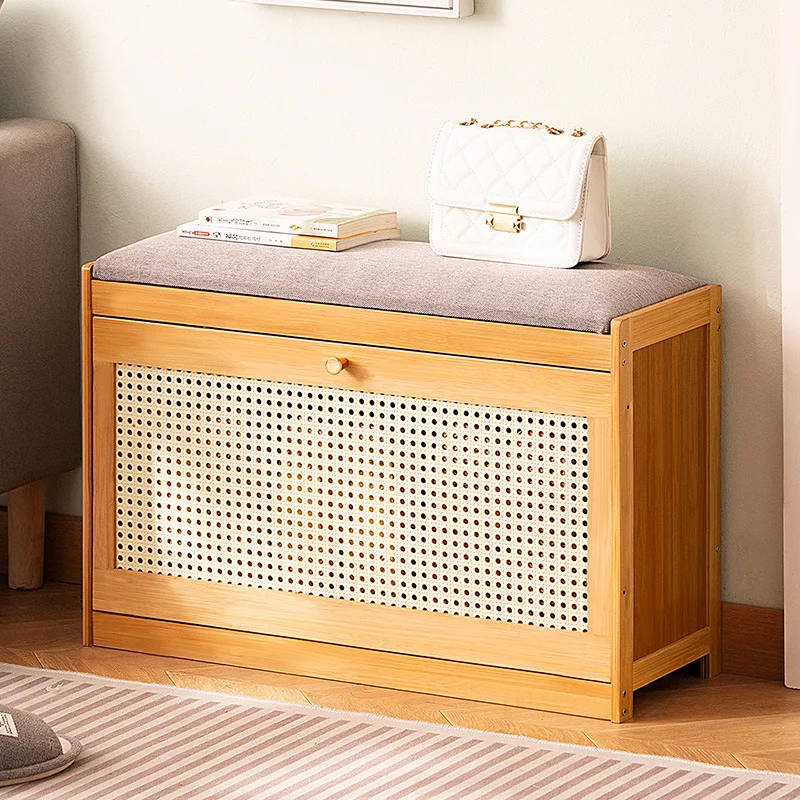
x: 26, y: 536
x: 622, y: 706
x: 710, y: 666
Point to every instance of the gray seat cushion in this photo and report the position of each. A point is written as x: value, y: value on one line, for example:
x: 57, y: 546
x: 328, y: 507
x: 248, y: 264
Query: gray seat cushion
x: 400, y: 276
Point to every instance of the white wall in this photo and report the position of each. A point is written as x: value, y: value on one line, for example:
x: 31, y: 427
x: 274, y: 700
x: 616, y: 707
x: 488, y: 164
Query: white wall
x: 179, y: 103
x: 790, y: 194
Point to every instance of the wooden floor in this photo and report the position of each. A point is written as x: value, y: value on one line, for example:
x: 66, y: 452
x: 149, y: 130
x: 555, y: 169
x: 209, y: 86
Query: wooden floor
x: 730, y: 720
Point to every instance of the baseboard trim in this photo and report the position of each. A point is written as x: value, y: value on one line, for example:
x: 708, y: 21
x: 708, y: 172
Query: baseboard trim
x: 752, y: 641
x: 752, y: 636
x: 62, y: 547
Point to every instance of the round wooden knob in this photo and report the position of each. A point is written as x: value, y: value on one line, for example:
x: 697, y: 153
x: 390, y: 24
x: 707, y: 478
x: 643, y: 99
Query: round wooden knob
x: 335, y: 365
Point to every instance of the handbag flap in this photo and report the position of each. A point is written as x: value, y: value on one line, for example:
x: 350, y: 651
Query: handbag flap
x: 540, y: 173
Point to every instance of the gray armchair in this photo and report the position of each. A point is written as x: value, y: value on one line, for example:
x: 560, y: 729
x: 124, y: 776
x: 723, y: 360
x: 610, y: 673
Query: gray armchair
x: 39, y: 328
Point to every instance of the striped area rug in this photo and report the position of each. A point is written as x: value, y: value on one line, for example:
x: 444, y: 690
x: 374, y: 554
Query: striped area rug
x: 144, y: 741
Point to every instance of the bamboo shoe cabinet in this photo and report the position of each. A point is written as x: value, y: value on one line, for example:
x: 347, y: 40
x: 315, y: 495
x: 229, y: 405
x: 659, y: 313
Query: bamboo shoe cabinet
x: 507, y: 513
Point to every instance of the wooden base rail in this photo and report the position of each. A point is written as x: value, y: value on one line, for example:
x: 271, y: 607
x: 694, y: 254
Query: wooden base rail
x: 354, y: 664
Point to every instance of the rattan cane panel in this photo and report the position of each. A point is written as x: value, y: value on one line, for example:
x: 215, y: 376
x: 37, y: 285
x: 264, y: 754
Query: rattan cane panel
x: 438, y: 506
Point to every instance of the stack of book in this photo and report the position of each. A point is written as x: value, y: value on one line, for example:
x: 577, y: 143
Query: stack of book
x: 293, y: 223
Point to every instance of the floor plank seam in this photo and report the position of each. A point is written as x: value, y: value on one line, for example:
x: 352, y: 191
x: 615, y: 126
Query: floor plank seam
x: 449, y: 721
x: 171, y: 679
x: 593, y: 742
x: 307, y: 698
x: 38, y: 658
x: 738, y: 760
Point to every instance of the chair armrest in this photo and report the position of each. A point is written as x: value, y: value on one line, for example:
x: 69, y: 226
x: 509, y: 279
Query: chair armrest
x: 39, y: 301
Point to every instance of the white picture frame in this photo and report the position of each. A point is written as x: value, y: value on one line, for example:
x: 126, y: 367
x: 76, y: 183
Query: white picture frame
x: 421, y: 8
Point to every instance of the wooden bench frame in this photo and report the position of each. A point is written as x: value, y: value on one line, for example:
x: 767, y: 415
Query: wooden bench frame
x: 651, y: 391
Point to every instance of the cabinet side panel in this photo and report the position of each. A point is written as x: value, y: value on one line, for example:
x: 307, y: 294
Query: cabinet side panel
x: 671, y: 454
x: 86, y: 396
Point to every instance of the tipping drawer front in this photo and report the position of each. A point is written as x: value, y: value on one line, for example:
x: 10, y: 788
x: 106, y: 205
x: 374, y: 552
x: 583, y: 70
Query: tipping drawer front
x: 427, y: 504
x: 432, y: 505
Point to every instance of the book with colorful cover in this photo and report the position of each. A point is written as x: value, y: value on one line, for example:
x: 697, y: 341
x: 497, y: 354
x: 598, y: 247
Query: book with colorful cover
x: 216, y: 233
x: 299, y: 217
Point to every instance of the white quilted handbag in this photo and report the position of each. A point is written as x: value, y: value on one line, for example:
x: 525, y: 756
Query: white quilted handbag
x: 519, y: 192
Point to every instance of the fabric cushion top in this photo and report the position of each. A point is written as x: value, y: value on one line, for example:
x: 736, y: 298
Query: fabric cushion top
x: 400, y: 276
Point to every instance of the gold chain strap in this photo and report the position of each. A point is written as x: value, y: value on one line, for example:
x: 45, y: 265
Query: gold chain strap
x: 524, y: 123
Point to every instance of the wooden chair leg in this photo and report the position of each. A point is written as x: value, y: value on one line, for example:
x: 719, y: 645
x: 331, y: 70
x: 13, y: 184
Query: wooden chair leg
x: 26, y: 536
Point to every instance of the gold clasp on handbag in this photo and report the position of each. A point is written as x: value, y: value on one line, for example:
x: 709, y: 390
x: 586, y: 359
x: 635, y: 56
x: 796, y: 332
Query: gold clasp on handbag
x: 503, y: 218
